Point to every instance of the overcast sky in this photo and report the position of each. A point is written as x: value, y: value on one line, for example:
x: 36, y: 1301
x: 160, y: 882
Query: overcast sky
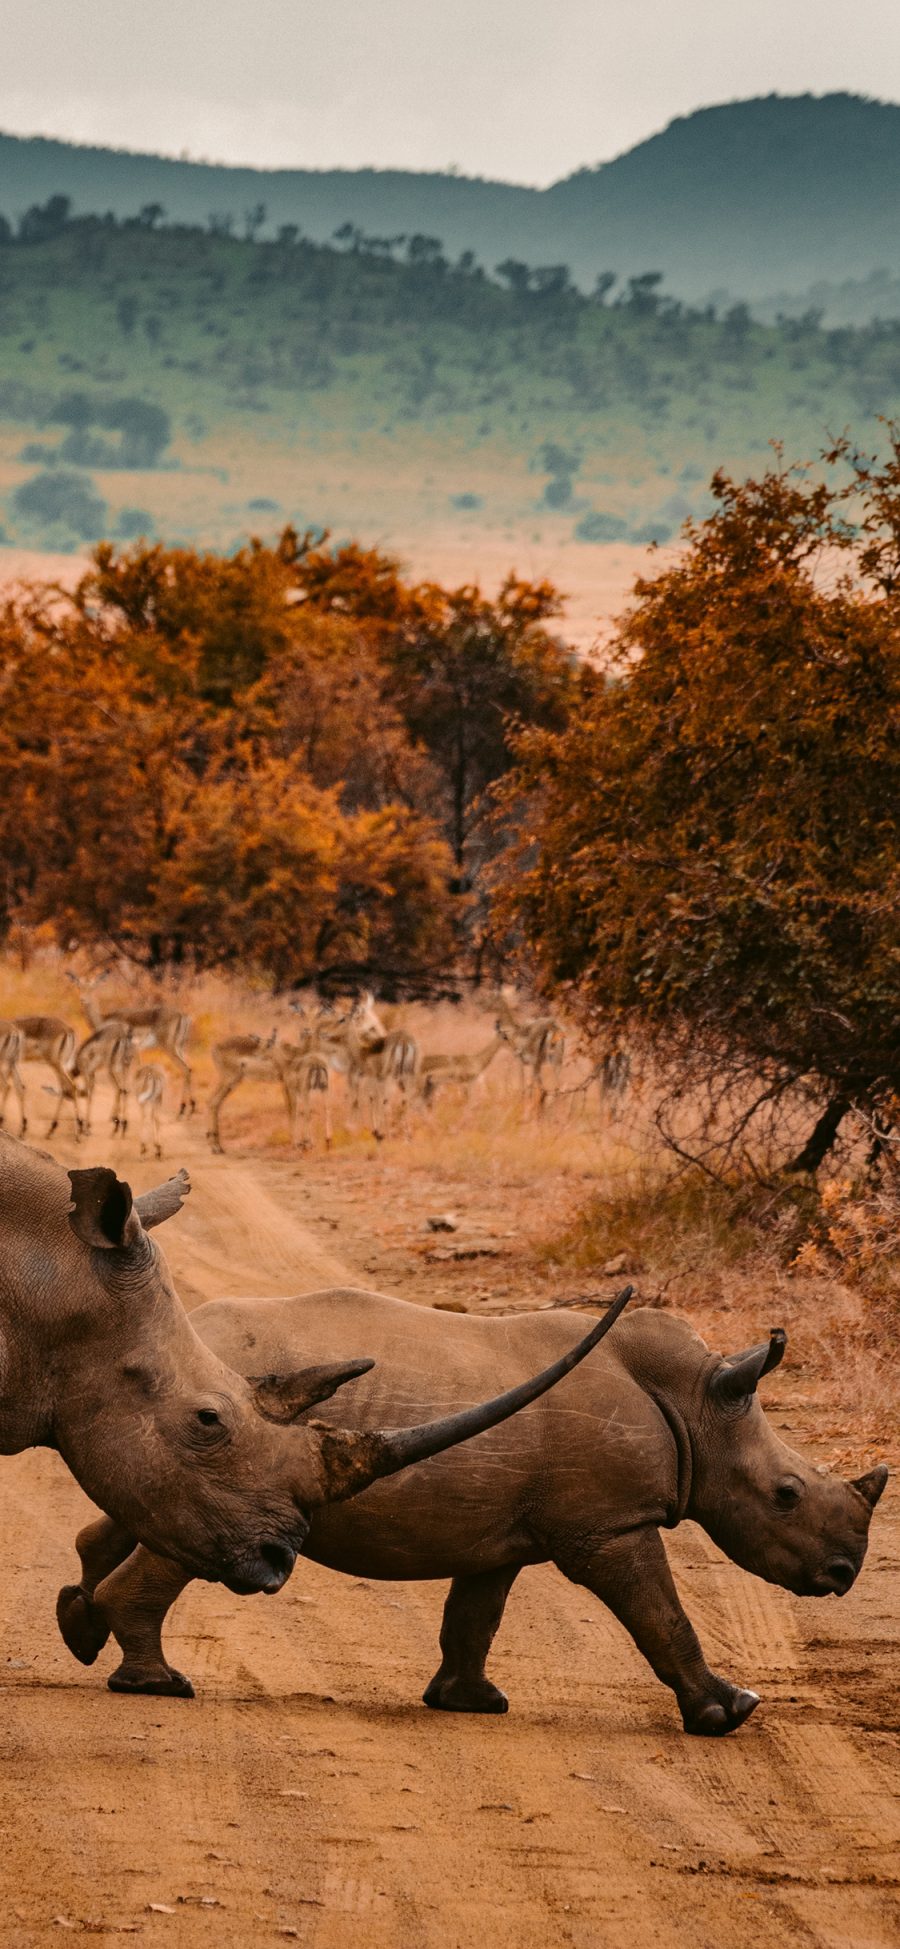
x: 522, y: 89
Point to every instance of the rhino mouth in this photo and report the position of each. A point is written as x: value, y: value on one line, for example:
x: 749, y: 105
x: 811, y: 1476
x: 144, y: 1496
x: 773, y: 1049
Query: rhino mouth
x: 835, y: 1580
x: 267, y: 1571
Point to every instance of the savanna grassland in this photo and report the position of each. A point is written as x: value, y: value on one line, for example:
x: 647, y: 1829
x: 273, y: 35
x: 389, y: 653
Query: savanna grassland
x: 241, y: 776
x: 199, y: 386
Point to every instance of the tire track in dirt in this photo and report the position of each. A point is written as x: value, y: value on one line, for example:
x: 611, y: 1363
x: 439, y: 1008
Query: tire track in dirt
x: 308, y: 1791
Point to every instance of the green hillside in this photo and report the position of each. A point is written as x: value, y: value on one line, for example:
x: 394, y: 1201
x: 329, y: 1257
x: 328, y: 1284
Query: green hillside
x: 757, y: 199
x: 197, y: 386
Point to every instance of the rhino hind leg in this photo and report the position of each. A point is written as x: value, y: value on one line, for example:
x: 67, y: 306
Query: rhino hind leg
x: 472, y: 1615
x: 631, y: 1575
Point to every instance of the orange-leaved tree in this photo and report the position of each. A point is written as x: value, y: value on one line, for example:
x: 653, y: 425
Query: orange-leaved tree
x: 709, y: 851
x: 269, y: 871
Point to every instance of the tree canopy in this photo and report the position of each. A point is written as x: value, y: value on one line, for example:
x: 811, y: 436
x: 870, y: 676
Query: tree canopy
x: 250, y: 759
x: 710, y: 847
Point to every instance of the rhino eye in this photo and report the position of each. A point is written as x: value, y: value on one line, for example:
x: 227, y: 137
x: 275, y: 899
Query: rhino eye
x: 208, y: 1418
x: 787, y: 1495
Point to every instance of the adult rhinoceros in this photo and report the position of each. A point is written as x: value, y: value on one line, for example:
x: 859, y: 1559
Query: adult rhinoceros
x: 99, y: 1360
x: 654, y: 1429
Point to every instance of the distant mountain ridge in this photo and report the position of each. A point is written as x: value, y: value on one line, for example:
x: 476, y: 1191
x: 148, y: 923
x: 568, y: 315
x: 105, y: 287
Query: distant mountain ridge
x: 750, y: 199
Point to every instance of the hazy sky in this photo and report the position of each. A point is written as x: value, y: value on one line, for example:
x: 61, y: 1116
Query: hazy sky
x: 525, y: 89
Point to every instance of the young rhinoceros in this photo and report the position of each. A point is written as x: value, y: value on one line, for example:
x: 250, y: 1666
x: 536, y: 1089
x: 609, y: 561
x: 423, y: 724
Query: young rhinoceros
x: 99, y: 1360
x: 654, y: 1429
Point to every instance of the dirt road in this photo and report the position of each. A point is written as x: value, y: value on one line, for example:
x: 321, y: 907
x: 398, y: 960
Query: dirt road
x: 306, y: 1794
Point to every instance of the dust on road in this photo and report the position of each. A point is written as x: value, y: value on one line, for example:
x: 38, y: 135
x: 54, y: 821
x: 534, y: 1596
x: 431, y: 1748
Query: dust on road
x: 307, y: 1795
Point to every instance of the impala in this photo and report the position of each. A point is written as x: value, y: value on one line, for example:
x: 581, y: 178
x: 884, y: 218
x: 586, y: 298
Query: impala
x: 155, y: 1026
x: 300, y: 1068
x: 461, y: 1071
x: 538, y: 1044
x: 148, y: 1092
x: 48, y: 1039
x: 110, y: 1048
x: 12, y: 1050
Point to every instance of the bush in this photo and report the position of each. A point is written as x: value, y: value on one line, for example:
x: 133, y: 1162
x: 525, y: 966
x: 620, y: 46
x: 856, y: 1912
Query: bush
x: 145, y: 429
x: 595, y: 526
x: 557, y: 492
x: 650, y: 532
x: 133, y: 522
x: 62, y: 499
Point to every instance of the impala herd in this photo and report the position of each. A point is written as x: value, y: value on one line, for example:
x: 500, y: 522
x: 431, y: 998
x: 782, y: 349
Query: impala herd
x: 384, y: 1068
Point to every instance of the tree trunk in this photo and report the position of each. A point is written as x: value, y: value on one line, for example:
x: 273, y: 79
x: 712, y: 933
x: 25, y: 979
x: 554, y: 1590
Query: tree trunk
x: 822, y: 1136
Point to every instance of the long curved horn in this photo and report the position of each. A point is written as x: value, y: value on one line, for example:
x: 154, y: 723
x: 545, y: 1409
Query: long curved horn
x: 350, y: 1461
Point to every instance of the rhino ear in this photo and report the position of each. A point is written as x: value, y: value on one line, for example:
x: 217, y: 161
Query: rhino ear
x: 154, y: 1207
x: 872, y: 1485
x: 102, y: 1210
x: 284, y: 1397
x: 739, y: 1378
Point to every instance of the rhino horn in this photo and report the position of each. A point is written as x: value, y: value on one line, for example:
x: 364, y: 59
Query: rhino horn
x: 102, y: 1210
x: 740, y: 1376
x: 283, y: 1397
x: 350, y: 1461
x: 871, y: 1486
x: 154, y: 1207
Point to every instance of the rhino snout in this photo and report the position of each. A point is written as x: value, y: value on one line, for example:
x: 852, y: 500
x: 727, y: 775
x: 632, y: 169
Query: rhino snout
x: 267, y: 1570
x: 836, y: 1578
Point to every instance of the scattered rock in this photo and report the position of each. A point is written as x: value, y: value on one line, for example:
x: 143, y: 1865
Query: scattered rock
x: 468, y: 1248
x: 450, y: 1306
x: 614, y: 1266
x: 445, y: 1221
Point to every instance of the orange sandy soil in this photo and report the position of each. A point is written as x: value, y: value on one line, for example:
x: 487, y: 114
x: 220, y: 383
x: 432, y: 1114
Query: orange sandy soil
x: 306, y: 1794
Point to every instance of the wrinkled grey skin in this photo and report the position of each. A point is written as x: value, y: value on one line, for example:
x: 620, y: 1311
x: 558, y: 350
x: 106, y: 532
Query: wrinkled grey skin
x: 654, y: 1428
x: 99, y: 1360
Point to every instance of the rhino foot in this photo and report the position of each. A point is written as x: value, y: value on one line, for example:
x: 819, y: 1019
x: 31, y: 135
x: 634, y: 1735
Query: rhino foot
x: 715, y: 1717
x: 83, y: 1627
x: 164, y: 1684
x: 464, y: 1695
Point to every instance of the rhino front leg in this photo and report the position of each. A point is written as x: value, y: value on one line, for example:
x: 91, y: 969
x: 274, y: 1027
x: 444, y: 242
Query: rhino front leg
x: 632, y: 1577
x: 102, y: 1546
x: 472, y: 1615
x: 135, y: 1600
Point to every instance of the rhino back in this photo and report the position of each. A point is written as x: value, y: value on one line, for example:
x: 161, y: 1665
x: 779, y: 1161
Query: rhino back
x: 594, y: 1447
